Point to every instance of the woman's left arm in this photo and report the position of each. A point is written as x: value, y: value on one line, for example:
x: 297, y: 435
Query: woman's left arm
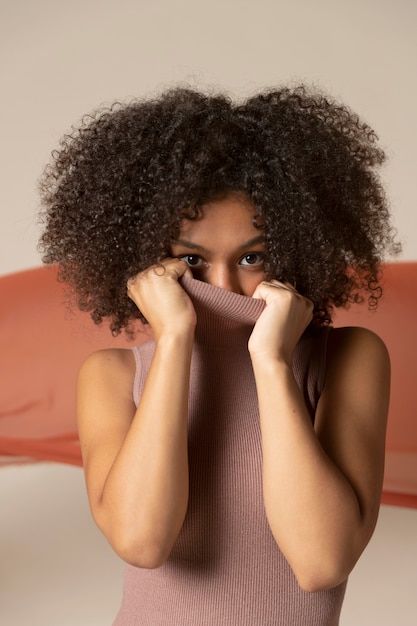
x: 322, y: 484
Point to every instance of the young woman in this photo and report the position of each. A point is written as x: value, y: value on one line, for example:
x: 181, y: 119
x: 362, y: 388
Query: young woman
x: 234, y: 461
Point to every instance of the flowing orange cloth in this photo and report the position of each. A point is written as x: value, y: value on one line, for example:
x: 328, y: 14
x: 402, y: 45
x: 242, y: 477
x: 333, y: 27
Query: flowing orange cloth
x: 395, y: 322
x: 43, y: 345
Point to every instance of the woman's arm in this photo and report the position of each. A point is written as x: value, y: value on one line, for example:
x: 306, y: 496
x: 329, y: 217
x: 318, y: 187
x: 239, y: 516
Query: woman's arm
x: 322, y: 484
x: 135, y: 461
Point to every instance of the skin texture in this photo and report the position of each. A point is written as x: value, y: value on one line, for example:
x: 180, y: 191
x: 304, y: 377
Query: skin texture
x: 321, y: 484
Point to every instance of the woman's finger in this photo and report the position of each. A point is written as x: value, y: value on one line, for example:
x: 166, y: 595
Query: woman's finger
x: 282, y: 285
x: 170, y: 266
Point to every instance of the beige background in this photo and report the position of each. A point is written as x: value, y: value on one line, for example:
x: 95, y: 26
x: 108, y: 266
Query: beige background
x: 60, y: 59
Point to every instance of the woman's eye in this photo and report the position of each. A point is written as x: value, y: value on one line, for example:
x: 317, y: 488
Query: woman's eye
x: 193, y: 260
x: 254, y: 258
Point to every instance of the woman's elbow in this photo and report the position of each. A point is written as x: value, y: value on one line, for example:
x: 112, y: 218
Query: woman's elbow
x: 322, y: 577
x: 313, y: 584
x: 147, y: 550
x: 143, y: 554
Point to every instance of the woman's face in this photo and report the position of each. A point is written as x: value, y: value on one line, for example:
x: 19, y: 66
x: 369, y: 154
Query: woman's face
x: 222, y: 246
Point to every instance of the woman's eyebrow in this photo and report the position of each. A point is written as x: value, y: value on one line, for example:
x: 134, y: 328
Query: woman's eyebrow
x: 195, y: 246
x: 189, y: 244
x: 253, y: 242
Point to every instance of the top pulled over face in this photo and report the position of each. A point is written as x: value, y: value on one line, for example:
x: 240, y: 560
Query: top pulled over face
x: 223, y: 246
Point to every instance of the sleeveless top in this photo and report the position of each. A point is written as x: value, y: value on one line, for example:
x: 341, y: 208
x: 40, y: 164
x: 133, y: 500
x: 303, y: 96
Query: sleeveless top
x: 225, y: 568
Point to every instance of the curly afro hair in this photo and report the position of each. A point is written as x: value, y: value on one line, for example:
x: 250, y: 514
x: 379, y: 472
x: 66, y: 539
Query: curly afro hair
x: 119, y: 185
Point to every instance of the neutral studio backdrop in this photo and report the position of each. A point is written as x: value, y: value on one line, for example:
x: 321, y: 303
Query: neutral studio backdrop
x: 59, y: 60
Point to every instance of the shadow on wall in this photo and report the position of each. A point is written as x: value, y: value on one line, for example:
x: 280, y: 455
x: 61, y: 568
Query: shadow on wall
x: 43, y: 345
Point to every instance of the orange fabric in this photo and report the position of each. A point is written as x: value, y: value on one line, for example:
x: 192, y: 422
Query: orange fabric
x: 43, y: 346
x: 395, y: 322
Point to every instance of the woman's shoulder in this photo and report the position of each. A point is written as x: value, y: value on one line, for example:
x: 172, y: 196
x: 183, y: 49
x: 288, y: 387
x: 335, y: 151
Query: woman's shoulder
x: 357, y: 353
x: 109, y: 364
x: 328, y: 354
x: 354, y: 338
x: 110, y: 357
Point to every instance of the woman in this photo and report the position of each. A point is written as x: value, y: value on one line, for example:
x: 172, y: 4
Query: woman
x: 234, y: 461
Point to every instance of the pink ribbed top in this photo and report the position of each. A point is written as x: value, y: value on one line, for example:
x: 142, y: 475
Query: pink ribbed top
x: 225, y: 567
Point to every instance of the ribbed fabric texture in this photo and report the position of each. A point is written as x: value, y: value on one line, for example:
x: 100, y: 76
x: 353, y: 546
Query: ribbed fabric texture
x: 225, y: 567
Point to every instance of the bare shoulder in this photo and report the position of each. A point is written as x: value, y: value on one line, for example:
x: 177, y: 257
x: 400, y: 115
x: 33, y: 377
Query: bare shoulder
x: 355, y: 338
x: 356, y: 392
x: 352, y: 412
x: 105, y: 389
x: 359, y: 353
x: 113, y: 366
x: 105, y: 408
x: 109, y: 358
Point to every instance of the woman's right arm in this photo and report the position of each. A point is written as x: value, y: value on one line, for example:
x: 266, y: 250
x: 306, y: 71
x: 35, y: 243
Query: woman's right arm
x: 136, y: 461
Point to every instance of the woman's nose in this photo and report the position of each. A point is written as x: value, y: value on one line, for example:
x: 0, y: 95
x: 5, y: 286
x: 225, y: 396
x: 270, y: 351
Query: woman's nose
x: 225, y: 278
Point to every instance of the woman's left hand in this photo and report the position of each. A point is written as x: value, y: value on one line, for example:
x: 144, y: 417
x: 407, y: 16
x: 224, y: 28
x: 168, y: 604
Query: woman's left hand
x: 284, y: 319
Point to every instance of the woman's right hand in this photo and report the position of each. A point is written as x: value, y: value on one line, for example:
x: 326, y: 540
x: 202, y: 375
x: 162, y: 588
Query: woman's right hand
x: 161, y: 299
x: 136, y: 459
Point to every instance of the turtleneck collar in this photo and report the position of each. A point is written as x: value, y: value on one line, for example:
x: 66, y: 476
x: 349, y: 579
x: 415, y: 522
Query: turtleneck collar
x: 223, y: 317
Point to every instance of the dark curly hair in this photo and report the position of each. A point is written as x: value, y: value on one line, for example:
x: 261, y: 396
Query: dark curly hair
x: 117, y: 189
